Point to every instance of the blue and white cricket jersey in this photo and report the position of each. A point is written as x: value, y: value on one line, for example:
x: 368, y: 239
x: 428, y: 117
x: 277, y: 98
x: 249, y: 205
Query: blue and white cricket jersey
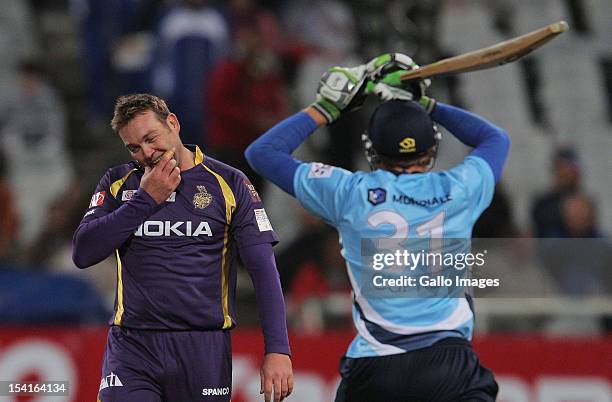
x: 380, y: 204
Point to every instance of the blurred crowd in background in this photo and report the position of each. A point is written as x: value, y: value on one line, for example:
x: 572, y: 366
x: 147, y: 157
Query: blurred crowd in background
x: 232, y: 69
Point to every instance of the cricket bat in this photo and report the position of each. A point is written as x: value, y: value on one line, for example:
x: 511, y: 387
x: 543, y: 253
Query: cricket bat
x: 487, y: 57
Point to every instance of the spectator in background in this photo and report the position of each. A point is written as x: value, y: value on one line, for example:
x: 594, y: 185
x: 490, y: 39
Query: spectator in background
x: 580, y: 263
x: 101, y: 23
x: 33, y: 138
x: 246, y: 96
x: 283, y: 42
x: 132, y: 53
x: 117, y: 45
x: 578, y: 215
x: 192, y: 38
x: 570, y: 247
x: 546, y: 212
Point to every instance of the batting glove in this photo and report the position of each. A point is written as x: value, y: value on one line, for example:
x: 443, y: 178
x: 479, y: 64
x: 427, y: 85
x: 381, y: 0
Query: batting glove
x: 390, y: 87
x: 340, y: 90
x: 386, y: 63
x: 387, y: 69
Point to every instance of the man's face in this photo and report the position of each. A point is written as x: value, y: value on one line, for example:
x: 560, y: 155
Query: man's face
x: 578, y: 215
x: 147, y: 138
x: 567, y: 174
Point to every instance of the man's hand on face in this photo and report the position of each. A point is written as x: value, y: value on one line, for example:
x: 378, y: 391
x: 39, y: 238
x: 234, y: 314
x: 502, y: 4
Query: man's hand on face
x: 162, y: 179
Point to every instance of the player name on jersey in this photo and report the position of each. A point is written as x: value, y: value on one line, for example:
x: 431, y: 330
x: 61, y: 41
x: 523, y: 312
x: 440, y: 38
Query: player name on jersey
x: 407, y: 200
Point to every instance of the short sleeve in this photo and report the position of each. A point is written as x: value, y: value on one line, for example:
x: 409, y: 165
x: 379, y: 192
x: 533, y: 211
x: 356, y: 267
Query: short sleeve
x: 321, y: 188
x: 102, y: 201
x: 476, y: 176
x: 250, y: 224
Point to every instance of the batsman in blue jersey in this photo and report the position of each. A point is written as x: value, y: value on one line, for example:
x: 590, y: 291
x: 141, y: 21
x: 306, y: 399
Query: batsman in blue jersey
x: 406, y: 349
x: 177, y: 221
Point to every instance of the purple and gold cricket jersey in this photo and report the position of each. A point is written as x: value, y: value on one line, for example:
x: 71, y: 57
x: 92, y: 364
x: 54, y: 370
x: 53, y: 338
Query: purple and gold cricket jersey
x: 176, y: 262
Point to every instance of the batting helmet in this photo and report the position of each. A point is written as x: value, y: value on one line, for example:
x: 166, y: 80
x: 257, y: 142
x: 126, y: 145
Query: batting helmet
x: 402, y: 130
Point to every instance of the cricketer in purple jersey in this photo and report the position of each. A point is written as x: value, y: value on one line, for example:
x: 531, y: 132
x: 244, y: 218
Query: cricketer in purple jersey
x: 177, y: 222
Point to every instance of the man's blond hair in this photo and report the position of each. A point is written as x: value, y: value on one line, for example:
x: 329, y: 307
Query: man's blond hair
x: 129, y: 106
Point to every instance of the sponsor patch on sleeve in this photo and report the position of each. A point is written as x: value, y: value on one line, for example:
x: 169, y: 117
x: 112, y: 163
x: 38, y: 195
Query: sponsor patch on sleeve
x: 252, y: 191
x: 97, y: 199
x: 127, y: 195
x: 263, y: 223
x: 320, y: 171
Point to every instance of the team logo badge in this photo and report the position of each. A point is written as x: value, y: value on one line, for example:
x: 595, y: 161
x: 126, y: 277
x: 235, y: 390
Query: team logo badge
x: 202, y: 198
x: 407, y: 145
x: 377, y: 196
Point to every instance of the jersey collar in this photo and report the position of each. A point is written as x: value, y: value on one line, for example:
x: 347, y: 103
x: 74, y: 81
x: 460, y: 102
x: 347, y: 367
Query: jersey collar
x: 199, y: 156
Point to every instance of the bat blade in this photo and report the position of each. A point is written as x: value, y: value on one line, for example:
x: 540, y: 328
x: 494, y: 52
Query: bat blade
x: 496, y: 55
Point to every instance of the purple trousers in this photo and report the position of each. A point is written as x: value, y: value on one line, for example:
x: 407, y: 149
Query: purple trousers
x: 156, y: 366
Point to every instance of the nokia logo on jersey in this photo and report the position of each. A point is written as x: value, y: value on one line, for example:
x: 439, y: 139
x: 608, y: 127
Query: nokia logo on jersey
x: 167, y: 228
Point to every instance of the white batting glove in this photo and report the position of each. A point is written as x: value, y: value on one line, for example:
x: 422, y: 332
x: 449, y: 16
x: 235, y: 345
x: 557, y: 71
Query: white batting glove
x: 386, y: 63
x: 390, y: 88
x: 387, y: 70
x: 341, y: 89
